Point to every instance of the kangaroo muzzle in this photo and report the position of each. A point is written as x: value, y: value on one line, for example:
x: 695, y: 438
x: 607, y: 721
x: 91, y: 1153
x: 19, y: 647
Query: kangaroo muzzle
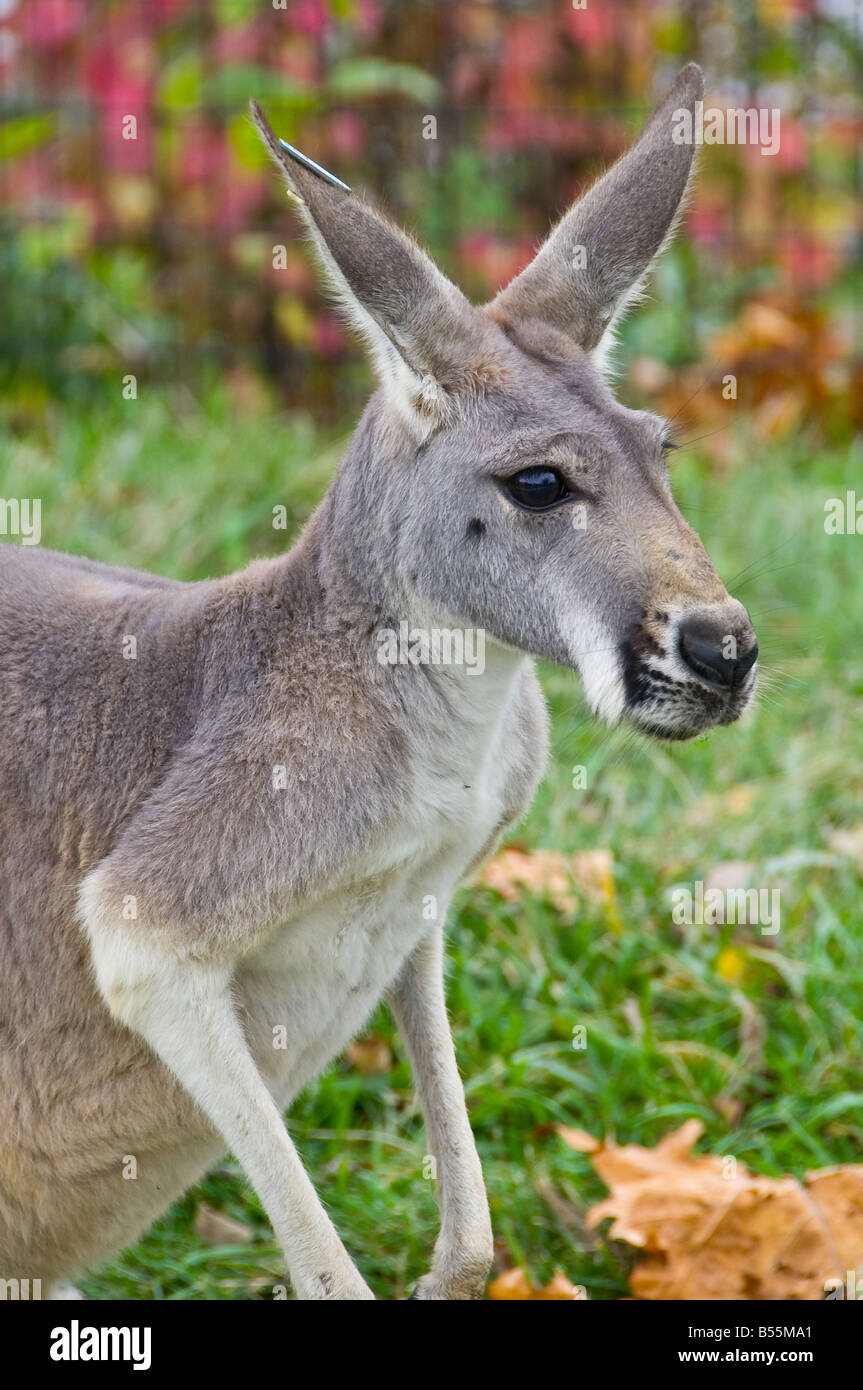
x: 689, y: 670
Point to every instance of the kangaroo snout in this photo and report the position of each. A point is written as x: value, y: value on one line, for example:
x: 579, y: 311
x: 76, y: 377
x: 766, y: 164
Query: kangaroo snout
x: 687, y: 671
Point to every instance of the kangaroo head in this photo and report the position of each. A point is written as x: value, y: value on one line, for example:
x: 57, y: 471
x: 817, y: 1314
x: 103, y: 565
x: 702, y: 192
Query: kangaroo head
x: 495, y: 482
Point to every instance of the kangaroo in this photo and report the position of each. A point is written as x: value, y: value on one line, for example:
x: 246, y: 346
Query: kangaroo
x: 236, y: 835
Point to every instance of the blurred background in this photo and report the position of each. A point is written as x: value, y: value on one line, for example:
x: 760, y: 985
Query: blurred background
x: 170, y: 373
x: 147, y: 247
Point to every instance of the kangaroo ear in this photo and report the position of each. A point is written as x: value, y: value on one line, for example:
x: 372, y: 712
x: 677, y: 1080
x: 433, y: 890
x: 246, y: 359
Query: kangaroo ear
x: 428, y: 344
x: 595, y: 261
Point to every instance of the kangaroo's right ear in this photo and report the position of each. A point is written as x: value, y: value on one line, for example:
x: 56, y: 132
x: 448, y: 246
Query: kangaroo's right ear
x: 595, y: 261
x: 428, y: 343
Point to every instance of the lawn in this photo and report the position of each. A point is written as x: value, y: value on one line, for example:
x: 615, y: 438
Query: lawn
x: 757, y: 1036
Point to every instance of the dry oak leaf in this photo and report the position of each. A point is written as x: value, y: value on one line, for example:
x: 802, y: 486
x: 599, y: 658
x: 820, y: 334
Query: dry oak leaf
x: 514, y: 1286
x: 708, y: 1228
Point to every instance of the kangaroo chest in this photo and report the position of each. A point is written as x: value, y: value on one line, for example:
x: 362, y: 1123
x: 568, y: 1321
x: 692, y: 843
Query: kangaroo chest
x: 312, y: 987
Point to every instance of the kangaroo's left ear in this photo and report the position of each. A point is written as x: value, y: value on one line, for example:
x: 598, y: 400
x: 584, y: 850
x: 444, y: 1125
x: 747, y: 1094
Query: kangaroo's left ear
x: 428, y: 343
x: 596, y: 259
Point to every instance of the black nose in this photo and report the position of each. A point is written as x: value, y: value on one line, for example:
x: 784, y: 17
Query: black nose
x: 719, y: 658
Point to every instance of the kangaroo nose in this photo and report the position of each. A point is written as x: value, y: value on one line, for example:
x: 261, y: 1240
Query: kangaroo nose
x: 714, y: 654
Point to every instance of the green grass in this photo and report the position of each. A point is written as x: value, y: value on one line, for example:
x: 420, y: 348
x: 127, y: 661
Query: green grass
x: 770, y: 1061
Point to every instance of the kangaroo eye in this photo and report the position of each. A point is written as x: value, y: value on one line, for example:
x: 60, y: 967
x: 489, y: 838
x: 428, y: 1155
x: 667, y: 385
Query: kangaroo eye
x: 537, y: 488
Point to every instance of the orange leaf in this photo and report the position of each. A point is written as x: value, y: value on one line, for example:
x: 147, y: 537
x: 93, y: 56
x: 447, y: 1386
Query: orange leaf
x: 370, y: 1056
x: 558, y: 877
x: 708, y: 1228
x: 579, y: 1139
x: 514, y: 1286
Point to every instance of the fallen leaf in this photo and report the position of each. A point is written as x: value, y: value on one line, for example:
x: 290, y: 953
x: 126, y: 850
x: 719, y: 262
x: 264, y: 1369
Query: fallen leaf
x: 578, y: 1139
x: 559, y: 877
x: 370, y: 1056
x: 838, y: 1193
x: 559, y: 1288
x: 708, y: 1228
x: 514, y: 1286
x: 215, y: 1228
x: 545, y: 872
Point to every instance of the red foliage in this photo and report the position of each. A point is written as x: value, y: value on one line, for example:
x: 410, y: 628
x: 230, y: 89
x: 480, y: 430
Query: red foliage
x: 539, y: 97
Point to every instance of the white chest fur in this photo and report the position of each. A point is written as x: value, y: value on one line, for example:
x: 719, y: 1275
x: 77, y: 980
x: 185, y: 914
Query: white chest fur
x: 310, y: 989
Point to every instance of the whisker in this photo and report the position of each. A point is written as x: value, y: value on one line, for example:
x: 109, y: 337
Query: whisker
x: 759, y: 560
x: 776, y: 569
x: 687, y: 442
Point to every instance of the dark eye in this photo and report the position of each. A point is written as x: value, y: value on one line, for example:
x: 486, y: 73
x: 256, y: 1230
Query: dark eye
x: 537, y: 488
x: 668, y: 446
